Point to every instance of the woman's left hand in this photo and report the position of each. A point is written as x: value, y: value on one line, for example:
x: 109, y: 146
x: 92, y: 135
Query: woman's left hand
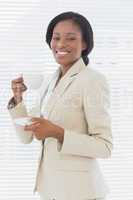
x: 43, y: 128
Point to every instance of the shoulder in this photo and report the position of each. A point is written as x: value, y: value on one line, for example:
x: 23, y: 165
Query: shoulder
x: 92, y: 82
x: 95, y: 86
x: 92, y: 76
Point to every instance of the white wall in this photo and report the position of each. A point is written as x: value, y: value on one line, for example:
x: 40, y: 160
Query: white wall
x: 22, y: 48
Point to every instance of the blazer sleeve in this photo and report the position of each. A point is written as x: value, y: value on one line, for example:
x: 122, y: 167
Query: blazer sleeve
x: 97, y: 142
x: 16, y: 112
x: 21, y: 111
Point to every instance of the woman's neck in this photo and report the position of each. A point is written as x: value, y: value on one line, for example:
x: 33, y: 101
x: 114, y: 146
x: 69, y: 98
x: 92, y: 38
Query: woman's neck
x: 65, y: 68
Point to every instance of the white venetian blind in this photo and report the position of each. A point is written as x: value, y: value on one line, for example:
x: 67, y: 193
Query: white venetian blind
x: 23, y: 49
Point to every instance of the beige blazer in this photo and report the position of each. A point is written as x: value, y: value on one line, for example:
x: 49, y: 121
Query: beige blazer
x: 80, y: 104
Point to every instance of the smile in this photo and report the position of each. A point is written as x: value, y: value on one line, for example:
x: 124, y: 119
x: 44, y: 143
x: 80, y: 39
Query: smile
x: 62, y: 52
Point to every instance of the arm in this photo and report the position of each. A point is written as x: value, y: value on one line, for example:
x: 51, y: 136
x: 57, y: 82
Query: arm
x: 17, y: 108
x: 97, y: 142
x: 20, y: 111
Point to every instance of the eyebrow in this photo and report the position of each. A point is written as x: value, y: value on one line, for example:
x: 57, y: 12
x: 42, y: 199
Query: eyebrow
x: 70, y: 33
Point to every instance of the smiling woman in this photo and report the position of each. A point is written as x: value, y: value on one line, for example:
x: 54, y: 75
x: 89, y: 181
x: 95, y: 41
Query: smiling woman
x: 74, y: 124
x: 67, y: 43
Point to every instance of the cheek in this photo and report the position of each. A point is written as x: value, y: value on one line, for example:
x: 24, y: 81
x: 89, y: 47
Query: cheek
x: 77, y: 47
x: 78, y: 50
x: 52, y: 46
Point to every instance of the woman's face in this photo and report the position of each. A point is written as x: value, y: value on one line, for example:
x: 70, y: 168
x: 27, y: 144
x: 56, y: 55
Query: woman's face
x: 67, y: 43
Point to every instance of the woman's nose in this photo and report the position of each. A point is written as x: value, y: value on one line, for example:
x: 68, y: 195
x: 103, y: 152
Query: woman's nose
x: 61, y: 43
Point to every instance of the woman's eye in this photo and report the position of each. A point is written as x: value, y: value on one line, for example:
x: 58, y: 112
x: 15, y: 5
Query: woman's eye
x: 56, y: 38
x: 67, y: 39
x: 71, y: 38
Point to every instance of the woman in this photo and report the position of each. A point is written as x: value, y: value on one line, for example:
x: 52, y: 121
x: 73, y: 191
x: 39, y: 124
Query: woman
x: 74, y: 121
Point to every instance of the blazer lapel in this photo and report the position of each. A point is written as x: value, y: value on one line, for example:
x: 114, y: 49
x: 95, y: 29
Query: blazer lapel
x: 69, y: 77
x: 63, y: 84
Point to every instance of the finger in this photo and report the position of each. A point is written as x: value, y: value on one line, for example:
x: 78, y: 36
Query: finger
x: 18, y: 80
x: 38, y: 137
x: 32, y: 127
x: 36, y: 119
x: 19, y: 88
x: 27, y: 128
x: 18, y: 85
x: 35, y: 123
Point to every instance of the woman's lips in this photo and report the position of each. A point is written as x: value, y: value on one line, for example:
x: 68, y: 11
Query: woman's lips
x: 62, y: 53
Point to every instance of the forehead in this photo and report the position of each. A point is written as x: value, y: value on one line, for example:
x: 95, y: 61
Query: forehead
x: 67, y: 26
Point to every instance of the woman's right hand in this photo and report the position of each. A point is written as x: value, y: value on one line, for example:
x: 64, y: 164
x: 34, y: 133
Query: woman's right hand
x: 18, y: 88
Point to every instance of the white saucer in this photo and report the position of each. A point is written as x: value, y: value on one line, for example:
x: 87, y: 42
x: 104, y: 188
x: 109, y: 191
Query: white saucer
x: 23, y: 121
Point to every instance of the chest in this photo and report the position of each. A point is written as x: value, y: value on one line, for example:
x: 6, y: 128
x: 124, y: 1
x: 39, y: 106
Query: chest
x: 65, y: 109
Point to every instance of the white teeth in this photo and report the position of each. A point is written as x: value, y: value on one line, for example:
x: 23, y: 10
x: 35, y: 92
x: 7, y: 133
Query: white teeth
x: 62, y: 52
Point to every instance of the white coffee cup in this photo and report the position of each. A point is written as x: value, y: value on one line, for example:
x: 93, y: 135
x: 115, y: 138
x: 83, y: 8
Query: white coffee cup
x: 33, y: 81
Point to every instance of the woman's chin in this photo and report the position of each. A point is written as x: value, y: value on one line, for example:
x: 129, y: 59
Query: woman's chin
x: 62, y: 62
